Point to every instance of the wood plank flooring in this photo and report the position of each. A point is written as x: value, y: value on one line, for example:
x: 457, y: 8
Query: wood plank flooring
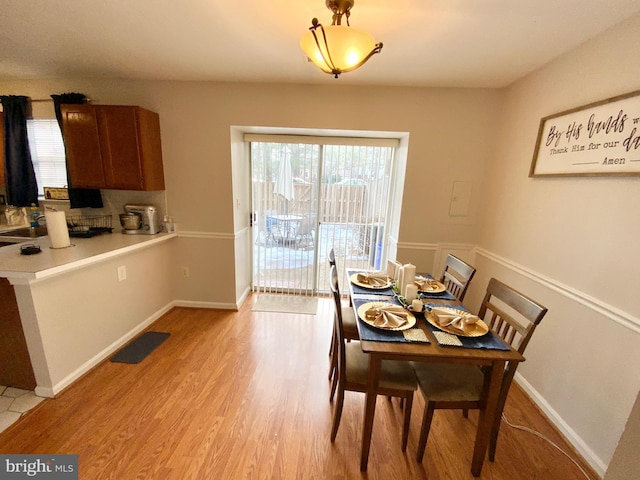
x: 233, y: 395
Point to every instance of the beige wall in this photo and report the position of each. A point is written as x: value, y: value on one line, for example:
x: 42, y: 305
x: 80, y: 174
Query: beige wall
x: 75, y: 320
x: 571, y: 243
x: 551, y: 238
x: 450, y: 134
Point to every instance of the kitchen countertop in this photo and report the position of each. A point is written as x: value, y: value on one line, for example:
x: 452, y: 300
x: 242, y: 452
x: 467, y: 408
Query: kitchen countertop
x: 83, y: 252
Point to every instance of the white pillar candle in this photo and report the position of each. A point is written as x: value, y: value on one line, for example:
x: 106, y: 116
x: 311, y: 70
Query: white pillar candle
x: 416, y: 305
x: 409, y: 273
x: 409, y: 276
x: 57, y: 229
x: 400, y: 282
x: 411, y: 292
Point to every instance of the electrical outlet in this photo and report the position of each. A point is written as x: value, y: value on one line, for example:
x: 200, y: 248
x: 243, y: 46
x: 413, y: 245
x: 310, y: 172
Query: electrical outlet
x: 122, y: 273
x: 185, y: 271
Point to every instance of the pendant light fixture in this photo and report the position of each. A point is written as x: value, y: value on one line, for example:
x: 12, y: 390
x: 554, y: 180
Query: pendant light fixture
x: 338, y: 48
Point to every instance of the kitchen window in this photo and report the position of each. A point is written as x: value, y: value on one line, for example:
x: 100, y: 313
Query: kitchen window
x: 47, y: 153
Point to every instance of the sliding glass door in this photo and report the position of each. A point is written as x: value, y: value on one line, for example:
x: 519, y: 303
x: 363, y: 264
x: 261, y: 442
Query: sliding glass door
x: 310, y: 195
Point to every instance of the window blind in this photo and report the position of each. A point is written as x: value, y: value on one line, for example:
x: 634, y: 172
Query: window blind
x: 47, y: 153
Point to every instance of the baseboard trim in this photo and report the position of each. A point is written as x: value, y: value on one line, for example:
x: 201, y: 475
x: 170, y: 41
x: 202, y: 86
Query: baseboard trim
x: 211, y: 305
x: 51, y: 392
x: 100, y: 356
x: 572, y: 437
x: 242, y: 298
x: 207, y: 235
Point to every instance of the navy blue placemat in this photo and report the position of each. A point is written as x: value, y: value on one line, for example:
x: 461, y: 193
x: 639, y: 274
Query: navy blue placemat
x: 440, y: 305
x: 435, y: 296
x: 376, y: 335
x: 489, y: 341
x: 371, y: 291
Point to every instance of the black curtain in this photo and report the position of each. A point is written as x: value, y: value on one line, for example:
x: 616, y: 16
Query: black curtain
x: 22, y: 190
x: 78, y: 197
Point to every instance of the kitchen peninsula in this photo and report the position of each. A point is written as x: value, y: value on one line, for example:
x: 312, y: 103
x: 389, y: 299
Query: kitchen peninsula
x: 81, y: 303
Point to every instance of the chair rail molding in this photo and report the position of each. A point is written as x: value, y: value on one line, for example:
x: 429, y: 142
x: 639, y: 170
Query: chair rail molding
x: 209, y: 235
x: 619, y: 316
x: 465, y: 251
x: 417, y: 246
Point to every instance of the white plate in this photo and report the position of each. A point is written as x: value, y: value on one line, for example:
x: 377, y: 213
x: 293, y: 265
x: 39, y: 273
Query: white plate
x: 411, y: 320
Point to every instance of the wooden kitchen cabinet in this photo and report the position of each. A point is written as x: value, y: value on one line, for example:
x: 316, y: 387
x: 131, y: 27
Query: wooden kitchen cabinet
x: 113, y: 146
x: 2, y: 179
x: 15, y: 364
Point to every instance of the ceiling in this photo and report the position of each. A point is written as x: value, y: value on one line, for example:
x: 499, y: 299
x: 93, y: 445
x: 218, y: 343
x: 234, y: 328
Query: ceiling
x: 443, y: 43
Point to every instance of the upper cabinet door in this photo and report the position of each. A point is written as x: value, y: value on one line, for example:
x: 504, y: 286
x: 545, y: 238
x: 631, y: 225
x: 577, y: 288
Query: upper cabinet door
x: 150, y: 148
x: 123, y: 143
x: 2, y: 178
x: 120, y: 147
x: 82, y: 146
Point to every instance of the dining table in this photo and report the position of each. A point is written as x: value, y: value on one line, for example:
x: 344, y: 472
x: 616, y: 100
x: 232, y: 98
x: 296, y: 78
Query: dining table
x: 487, y: 351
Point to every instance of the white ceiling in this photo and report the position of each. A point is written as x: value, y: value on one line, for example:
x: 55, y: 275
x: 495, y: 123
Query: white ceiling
x: 458, y: 43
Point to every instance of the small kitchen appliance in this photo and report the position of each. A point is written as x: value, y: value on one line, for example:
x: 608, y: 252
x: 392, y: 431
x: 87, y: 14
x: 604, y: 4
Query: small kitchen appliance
x: 149, y: 222
x: 131, y: 222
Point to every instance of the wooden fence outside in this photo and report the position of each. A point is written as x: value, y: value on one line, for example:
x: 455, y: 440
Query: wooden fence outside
x: 338, y: 204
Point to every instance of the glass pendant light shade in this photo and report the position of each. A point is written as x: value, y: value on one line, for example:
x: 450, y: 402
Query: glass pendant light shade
x: 338, y: 48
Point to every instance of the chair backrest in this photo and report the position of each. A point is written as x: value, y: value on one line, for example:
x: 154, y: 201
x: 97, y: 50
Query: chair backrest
x: 307, y: 225
x: 513, y: 317
x: 457, y: 276
x: 339, y: 329
x: 331, y: 257
x: 510, y: 314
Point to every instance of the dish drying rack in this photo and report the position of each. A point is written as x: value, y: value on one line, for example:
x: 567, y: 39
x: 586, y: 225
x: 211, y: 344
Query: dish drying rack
x: 89, y: 225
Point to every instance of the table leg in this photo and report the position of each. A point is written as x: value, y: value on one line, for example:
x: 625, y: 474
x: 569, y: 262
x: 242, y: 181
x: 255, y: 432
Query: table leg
x: 486, y: 416
x: 369, y: 408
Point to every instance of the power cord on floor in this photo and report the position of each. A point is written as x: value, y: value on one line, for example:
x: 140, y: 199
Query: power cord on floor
x: 538, y: 434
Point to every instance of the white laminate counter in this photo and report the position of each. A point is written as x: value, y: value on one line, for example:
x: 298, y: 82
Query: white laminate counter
x: 83, y: 252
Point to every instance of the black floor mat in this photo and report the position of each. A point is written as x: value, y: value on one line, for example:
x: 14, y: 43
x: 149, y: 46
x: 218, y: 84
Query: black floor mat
x: 142, y: 346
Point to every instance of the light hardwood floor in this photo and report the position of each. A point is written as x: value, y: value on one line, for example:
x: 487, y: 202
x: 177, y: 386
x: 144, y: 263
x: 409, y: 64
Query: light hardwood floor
x: 233, y: 395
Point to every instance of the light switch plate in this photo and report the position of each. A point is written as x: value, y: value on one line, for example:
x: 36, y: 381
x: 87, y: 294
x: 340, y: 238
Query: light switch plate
x: 460, y: 199
x: 122, y: 273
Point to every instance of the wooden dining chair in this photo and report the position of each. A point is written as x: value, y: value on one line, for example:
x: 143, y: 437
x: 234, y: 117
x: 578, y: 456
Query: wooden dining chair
x: 350, y: 331
x: 397, y: 378
x: 457, y: 276
x: 331, y: 257
x: 513, y: 317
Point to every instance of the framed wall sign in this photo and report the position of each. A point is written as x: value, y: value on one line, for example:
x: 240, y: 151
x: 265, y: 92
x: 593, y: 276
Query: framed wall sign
x: 601, y: 138
x: 51, y: 193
